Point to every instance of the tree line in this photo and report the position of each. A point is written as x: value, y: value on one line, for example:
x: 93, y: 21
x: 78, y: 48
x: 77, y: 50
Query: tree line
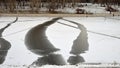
x: 51, y: 5
x: 107, y: 2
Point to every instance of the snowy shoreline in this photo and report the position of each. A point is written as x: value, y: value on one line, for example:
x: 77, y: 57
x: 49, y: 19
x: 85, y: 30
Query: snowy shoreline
x: 102, y: 65
x: 63, y: 15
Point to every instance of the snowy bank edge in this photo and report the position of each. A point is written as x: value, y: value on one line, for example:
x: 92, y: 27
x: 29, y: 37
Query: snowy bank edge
x: 62, y: 15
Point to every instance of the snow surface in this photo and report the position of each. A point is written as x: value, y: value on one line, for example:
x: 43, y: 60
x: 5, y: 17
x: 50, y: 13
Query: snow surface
x: 101, y: 48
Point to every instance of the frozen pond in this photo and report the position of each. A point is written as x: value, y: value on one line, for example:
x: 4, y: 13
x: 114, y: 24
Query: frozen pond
x: 101, y: 48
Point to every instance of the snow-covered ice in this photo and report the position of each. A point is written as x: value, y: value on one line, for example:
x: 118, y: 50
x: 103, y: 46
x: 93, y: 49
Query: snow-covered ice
x: 101, y: 48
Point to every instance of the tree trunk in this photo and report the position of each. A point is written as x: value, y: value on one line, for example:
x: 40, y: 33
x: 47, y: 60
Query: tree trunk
x: 11, y: 4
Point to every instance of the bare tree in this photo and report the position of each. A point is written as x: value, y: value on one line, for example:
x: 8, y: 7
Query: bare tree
x: 11, y: 4
x: 35, y: 5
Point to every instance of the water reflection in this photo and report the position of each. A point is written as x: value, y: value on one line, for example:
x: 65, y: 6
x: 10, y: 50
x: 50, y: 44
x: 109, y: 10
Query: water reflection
x: 75, y: 59
x: 38, y: 43
x: 51, y: 59
x: 4, y: 45
x: 80, y: 44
